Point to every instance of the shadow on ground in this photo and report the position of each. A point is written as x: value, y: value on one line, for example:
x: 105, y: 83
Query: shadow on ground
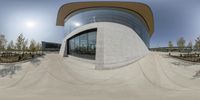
x: 179, y: 62
x: 36, y: 62
x: 185, y: 64
x: 9, y: 70
x: 197, y: 75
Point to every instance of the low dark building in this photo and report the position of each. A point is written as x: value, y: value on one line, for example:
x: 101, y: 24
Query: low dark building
x: 49, y: 46
x: 172, y: 49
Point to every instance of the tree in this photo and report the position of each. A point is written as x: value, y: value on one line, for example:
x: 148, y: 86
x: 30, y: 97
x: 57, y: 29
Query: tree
x: 20, y: 42
x: 190, y: 45
x: 32, y: 46
x: 181, y: 43
x: 10, y: 46
x: 170, y: 45
x: 3, y: 42
x: 197, y: 43
x: 24, y: 46
x: 38, y: 47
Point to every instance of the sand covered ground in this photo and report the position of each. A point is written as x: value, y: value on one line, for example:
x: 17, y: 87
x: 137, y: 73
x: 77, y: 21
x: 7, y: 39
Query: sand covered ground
x: 154, y: 77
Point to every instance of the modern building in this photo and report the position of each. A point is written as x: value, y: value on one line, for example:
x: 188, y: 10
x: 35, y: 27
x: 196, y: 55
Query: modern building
x: 50, y: 46
x: 108, y: 34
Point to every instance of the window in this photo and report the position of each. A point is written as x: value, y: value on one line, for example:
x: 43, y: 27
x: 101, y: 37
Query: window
x: 115, y: 15
x: 83, y: 45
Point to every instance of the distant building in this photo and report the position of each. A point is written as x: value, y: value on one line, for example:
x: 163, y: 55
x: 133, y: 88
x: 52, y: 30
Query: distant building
x: 111, y: 34
x: 49, y: 46
x: 172, y: 49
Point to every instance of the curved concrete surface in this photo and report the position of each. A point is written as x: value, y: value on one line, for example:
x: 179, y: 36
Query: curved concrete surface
x: 116, y: 44
x: 154, y: 77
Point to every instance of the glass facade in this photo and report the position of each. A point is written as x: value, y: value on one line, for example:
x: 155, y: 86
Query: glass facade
x: 83, y: 45
x: 116, y: 15
x: 48, y: 46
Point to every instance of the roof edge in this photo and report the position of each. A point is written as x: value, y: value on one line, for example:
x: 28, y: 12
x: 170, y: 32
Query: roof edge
x: 142, y: 9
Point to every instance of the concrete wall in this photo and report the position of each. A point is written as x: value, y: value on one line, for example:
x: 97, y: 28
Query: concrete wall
x: 117, y: 45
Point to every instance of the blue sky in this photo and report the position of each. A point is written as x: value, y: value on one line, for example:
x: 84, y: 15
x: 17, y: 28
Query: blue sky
x: 173, y: 19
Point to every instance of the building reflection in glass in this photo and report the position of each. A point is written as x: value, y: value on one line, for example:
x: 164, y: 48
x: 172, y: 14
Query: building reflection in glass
x: 83, y: 45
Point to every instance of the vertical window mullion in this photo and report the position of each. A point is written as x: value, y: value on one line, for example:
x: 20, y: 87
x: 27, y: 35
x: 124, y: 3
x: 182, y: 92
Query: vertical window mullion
x: 87, y: 43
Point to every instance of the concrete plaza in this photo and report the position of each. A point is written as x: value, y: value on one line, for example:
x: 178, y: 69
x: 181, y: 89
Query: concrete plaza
x: 153, y: 77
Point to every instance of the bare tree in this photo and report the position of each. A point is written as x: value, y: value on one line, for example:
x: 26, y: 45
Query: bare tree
x: 10, y: 46
x: 24, y: 46
x: 32, y: 46
x: 170, y: 45
x: 190, y: 45
x: 3, y: 42
x: 38, y: 46
x: 20, y: 41
x: 181, y: 43
x: 197, y: 44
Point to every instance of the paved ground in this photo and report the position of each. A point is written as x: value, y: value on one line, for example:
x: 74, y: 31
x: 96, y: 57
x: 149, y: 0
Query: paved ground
x: 154, y: 77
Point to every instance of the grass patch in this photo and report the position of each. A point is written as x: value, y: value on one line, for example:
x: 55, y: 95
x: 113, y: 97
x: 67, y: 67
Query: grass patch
x: 17, y: 57
x: 192, y: 57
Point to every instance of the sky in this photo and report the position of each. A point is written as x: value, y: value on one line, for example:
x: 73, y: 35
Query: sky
x: 36, y: 19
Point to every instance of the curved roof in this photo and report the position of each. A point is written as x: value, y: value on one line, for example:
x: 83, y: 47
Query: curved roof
x: 141, y: 9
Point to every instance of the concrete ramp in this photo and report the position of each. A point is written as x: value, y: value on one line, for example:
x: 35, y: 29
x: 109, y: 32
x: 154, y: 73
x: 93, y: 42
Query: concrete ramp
x: 154, y: 77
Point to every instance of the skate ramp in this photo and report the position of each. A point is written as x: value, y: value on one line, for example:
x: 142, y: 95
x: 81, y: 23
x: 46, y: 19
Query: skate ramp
x: 156, y: 76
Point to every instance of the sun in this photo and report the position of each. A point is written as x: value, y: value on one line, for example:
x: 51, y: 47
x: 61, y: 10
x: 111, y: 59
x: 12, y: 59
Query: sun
x: 30, y: 24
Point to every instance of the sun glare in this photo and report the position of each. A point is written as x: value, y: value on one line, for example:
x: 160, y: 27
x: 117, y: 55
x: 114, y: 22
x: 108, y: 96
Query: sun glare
x: 77, y: 24
x: 30, y: 24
